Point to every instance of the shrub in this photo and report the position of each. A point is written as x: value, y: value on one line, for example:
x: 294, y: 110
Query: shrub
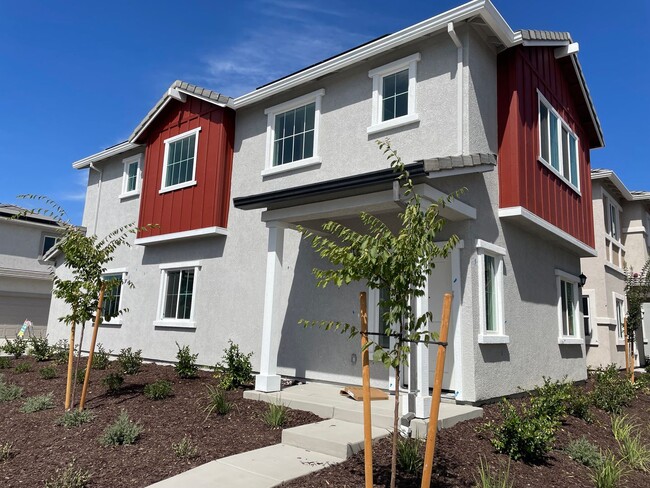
x: 217, y: 402
x: 5, y: 362
x: 186, y: 366
x: 275, y: 415
x: 6, y: 451
x: 130, y: 361
x: 492, y: 479
x: 40, y: 349
x: 101, y: 358
x: 23, y: 368
x: 37, y: 403
x: 122, y: 431
x: 80, y: 376
x: 113, y: 382
x: 75, y: 418
x: 608, y: 472
x: 579, y: 405
x: 611, y: 391
x: 70, y: 477
x: 236, y: 369
x: 634, y: 451
x: 48, y: 372
x: 522, y: 435
x: 584, y: 452
x: 551, y: 399
x: 409, y: 458
x: 9, y: 392
x: 60, y: 351
x: 16, y: 347
x: 158, y: 390
x: 185, y: 449
x: 647, y: 364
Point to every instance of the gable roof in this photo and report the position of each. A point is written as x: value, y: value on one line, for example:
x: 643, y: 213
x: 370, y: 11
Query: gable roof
x: 615, y: 182
x: 10, y: 211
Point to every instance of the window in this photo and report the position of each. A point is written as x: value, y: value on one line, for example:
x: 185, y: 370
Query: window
x: 177, y: 294
x: 132, y: 176
x: 558, y: 145
x: 179, y: 166
x: 568, y: 308
x: 586, y: 315
x: 490, y: 270
x: 619, y: 310
x: 292, y: 134
x: 376, y: 320
x: 113, y: 297
x: 48, y: 243
x: 393, y: 94
x: 615, y: 252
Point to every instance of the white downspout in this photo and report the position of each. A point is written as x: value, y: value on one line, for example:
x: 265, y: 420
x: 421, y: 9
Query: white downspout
x: 99, y: 194
x: 459, y: 81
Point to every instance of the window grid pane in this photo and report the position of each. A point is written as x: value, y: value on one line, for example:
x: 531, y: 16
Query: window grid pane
x: 111, y: 305
x: 585, y: 315
x: 563, y: 294
x: 132, y: 174
x: 573, y: 154
x: 171, y: 294
x: 180, y: 161
x: 395, y: 95
x: 555, y: 149
x: 294, y: 135
x: 543, y: 130
x: 490, y: 295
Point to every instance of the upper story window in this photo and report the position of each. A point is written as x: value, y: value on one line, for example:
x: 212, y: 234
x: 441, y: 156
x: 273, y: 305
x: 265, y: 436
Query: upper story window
x: 568, y: 308
x: 558, y: 144
x: 179, y: 165
x: 393, y: 94
x: 615, y: 251
x: 132, y: 176
x: 292, y: 134
x: 490, y: 270
x: 48, y: 243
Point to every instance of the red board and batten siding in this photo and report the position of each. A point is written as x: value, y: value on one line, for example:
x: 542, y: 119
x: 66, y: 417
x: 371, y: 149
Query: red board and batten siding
x: 523, y: 180
x: 205, y: 204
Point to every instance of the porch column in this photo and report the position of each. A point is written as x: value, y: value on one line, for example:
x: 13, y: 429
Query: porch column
x: 268, y: 380
x: 423, y: 399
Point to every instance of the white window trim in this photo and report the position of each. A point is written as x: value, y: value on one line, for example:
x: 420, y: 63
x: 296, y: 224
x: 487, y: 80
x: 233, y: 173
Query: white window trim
x: 577, y: 326
x: 485, y: 336
x: 592, y: 339
x: 315, y: 160
x: 115, y: 271
x: 617, y: 296
x: 377, y: 75
x: 541, y: 99
x: 167, y: 142
x: 125, y: 176
x: 176, y: 323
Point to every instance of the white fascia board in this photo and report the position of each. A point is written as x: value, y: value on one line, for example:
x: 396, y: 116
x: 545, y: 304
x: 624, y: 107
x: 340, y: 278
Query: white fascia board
x: 25, y: 274
x: 461, y: 209
x: 616, y: 181
x: 188, y: 234
x: 105, y: 154
x: 484, y: 8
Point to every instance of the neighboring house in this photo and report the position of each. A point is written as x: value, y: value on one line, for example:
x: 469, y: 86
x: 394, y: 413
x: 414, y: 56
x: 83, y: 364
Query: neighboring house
x: 25, y: 278
x: 467, y: 102
x: 622, y: 231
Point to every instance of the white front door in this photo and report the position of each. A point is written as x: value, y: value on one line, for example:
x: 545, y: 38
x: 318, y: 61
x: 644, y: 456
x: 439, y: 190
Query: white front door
x: 440, y: 282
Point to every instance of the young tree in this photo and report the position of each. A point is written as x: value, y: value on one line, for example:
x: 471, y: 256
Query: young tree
x: 399, y: 263
x: 637, y: 291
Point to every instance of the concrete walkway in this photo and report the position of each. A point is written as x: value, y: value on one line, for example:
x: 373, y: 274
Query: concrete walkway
x: 309, y: 447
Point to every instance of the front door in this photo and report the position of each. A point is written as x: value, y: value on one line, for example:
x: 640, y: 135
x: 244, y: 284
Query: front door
x: 439, y: 284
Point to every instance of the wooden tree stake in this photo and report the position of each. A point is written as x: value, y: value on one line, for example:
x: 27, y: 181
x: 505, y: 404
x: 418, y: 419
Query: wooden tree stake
x: 365, y: 363
x: 98, y: 319
x: 68, y: 387
x: 437, y: 391
x: 627, y: 350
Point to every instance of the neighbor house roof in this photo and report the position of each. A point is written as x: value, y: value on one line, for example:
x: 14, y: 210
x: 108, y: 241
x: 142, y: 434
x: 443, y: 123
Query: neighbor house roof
x: 614, y: 181
x: 9, y: 211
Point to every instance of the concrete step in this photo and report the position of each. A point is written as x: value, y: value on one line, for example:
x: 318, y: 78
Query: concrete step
x: 449, y: 415
x: 333, y: 437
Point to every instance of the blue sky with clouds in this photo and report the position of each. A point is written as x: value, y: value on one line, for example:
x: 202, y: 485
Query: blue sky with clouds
x: 79, y: 75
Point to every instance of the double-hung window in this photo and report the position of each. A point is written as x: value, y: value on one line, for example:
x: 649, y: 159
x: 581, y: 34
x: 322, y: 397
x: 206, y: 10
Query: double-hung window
x: 177, y: 299
x: 112, y: 305
x: 179, y: 165
x: 615, y: 252
x: 393, y: 94
x: 568, y: 308
x: 132, y: 176
x: 619, y: 310
x: 558, y: 144
x: 586, y: 315
x: 491, y: 302
x: 292, y: 134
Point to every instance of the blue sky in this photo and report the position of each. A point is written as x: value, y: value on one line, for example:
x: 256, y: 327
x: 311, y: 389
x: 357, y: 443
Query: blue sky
x: 79, y: 76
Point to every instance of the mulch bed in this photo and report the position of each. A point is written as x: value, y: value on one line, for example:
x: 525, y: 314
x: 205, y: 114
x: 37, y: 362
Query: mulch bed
x: 458, y: 450
x: 41, y: 446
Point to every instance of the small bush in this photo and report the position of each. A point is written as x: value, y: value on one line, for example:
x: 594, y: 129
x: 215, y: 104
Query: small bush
x: 275, y: 415
x: 101, y: 358
x: 60, y: 351
x: 113, y: 382
x: 185, y: 449
x: 6, y: 451
x: 37, y: 403
x: 579, y: 405
x: 9, y: 392
x: 584, y: 452
x: 40, y: 348
x: 158, y: 390
x: 492, y: 479
x: 236, y: 369
x: 409, y: 458
x: 130, y: 361
x: 634, y: 451
x: 186, y: 366
x: 70, y: 477
x: 48, y: 372
x: 23, y: 368
x: 16, y: 347
x: 5, y: 362
x: 551, y: 399
x: 217, y: 402
x: 122, y: 431
x: 80, y: 376
x: 524, y: 435
x: 608, y: 472
x: 75, y: 418
x: 611, y: 391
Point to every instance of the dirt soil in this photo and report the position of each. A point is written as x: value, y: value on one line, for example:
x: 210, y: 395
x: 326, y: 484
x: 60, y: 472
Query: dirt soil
x: 40, y: 446
x: 458, y: 450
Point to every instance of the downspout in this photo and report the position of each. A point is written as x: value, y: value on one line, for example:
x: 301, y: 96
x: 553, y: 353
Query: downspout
x: 99, y: 194
x: 459, y: 81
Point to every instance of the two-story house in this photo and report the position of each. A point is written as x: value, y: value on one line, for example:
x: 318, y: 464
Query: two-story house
x: 622, y: 225
x: 467, y: 102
